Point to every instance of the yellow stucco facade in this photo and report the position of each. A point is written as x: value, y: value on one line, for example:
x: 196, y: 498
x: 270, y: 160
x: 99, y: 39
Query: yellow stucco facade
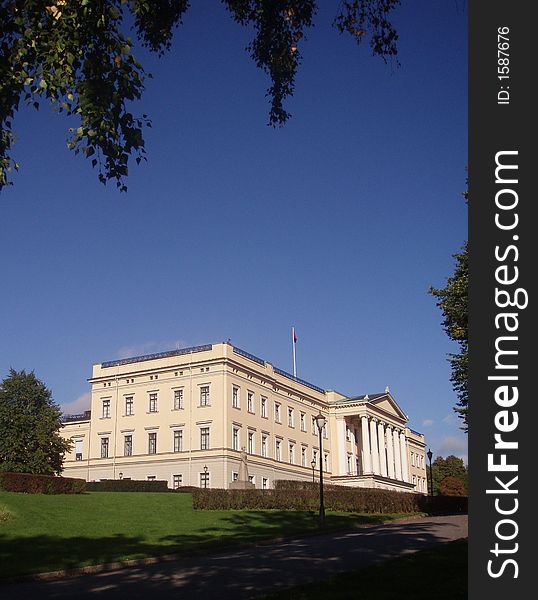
x: 170, y: 415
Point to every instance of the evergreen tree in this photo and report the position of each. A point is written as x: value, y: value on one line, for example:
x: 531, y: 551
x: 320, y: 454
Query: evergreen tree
x: 453, y: 302
x: 29, y: 426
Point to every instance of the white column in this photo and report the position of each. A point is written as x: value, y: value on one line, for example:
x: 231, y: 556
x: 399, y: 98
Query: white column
x: 375, y: 451
x: 341, y: 443
x: 366, y: 455
x: 382, y: 453
x: 390, y: 452
x: 403, y: 452
x: 397, y: 459
x: 353, y: 451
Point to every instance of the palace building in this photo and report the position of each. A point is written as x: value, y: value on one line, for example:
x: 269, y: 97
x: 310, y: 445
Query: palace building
x: 185, y: 416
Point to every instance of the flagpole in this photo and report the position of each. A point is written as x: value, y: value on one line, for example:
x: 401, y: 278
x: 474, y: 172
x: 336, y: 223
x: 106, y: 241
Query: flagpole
x: 294, y: 357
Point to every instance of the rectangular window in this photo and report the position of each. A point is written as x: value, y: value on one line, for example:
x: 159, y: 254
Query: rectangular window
x: 250, y: 402
x: 326, y: 462
x: 204, y: 438
x: 235, y: 397
x: 78, y: 449
x: 104, y: 447
x: 178, y: 440
x: 106, y: 409
x: 204, y: 395
x: 152, y: 443
x: 235, y: 438
x: 303, y: 456
x: 153, y: 402
x: 290, y: 417
x: 178, y: 400
x: 263, y: 407
x: 128, y: 406
x: 292, y: 454
x: 152, y: 477
x: 128, y: 445
x: 234, y: 476
x: 326, y: 431
x: 265, y: 483
x: 250, y: 442
x: 314, y: 426
x: 315, y: 458
x: 177, y: 481
x: 278, y: 449
x: 251, y: 479
x: 347, y: 434
x: 264, y: 445
x: 303, y: 422
x: 277, y: 412
x: 204, y: 480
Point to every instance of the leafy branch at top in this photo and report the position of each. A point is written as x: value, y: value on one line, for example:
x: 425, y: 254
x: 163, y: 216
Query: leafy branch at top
x: 76, y: 56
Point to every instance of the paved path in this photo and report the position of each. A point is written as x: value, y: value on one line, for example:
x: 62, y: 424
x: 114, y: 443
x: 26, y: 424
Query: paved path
x: 251, y: 572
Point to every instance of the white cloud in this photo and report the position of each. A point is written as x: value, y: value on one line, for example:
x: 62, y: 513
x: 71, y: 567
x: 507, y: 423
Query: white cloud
x: 427, y: 423
x: 77, y: 406
x: 456, y: 446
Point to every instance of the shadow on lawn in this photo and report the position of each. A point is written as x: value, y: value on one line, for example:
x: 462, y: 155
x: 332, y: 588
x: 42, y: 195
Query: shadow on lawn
x: 50, y: 553
x: 242, y: 573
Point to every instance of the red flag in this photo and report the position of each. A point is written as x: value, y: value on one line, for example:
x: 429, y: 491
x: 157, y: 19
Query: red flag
x: 294, y: 337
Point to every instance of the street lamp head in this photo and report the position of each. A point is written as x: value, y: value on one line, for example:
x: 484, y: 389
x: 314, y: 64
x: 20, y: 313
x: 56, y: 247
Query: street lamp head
x: 206, y: 469
x: 121, y: 475
x: 320, y: 421
x: 313, y: 463
x: 429, y: 454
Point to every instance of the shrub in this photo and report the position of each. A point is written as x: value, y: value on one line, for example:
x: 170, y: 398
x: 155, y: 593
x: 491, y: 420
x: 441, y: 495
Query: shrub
x: 338, y: 498
x: 40, y: 484
x: 127, y: 485
x: 444, y: 505
x: 452, y: 486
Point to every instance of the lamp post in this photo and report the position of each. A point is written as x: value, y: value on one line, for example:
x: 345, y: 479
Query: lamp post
x: 320, y: 422
x: 205, y: 476
x: 429, y: 454
x: 313, y: 465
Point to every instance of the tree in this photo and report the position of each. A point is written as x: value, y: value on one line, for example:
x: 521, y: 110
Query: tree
x: 77, y: 55
x: 443, y: 468
x: 452, y: 486
x: 29, y: 426
x: 453, y: 302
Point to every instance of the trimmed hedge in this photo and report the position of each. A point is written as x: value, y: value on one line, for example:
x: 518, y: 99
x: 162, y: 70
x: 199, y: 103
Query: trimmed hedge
x: 445, y: 505
x: 338, y: 498
x: 127, y: 485
x: 362, y: 500
x: 40, y: 484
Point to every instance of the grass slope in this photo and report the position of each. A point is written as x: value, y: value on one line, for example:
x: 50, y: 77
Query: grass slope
x: 47, y: 533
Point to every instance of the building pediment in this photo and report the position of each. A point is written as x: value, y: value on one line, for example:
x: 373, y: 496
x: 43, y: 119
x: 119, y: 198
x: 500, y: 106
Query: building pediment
x: 387, y: 404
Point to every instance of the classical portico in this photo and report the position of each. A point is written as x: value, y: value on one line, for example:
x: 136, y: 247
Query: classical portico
x: 373, y: 442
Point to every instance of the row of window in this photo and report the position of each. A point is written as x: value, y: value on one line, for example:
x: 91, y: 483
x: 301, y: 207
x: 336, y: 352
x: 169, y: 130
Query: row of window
x: 419, y: 483
x: 236, y: 403
x: 205, y: 444
x: 417, y: 460
x: 152, y: 442
x: 177, y: 402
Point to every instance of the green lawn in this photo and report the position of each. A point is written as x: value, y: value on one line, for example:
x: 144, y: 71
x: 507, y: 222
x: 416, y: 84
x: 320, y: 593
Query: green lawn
x: 46, y: 533
x: 439, y: 573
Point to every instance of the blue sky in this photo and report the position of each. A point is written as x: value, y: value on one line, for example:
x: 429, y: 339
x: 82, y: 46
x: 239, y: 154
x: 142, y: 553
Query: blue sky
x: 337, y: 223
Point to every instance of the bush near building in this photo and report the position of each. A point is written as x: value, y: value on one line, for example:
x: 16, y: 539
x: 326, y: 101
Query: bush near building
x: 298, y: 495
x: 127, y: 485
x: 361, y: 500
x: 40, y: 484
